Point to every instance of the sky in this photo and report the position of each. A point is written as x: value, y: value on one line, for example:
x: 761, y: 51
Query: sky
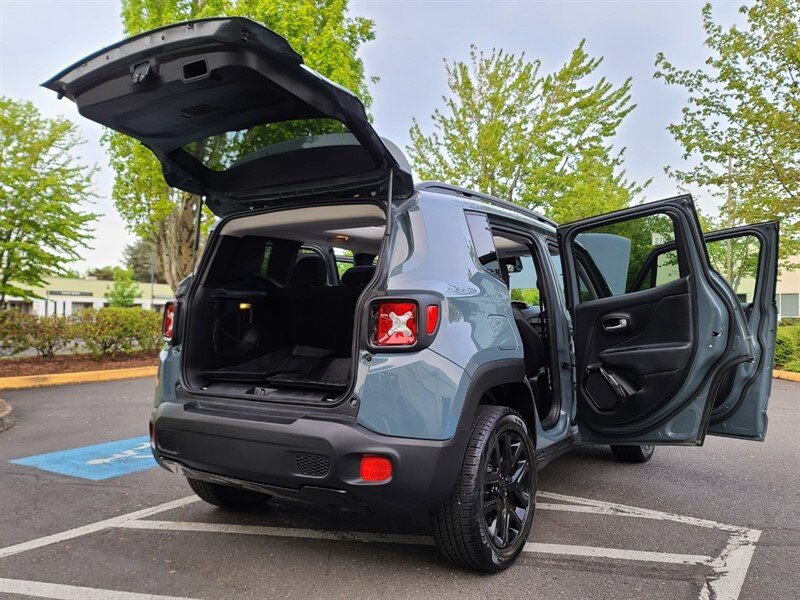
x: 40, y: 37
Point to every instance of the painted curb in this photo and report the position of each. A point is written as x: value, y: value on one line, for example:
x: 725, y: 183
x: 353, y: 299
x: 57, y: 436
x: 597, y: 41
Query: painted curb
x: 30, y: 381
x: 787, y: 375
x: 7, y: 418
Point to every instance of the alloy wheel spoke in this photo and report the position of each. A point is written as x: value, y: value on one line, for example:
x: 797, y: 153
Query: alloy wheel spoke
x: 491, y: 506
x: 503, y: 526
x: 505, y: 441
x: 518, y: 477
x: 514, y: 516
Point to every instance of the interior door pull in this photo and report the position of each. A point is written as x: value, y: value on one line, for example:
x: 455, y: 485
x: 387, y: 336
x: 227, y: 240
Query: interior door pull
x: 615, y: 323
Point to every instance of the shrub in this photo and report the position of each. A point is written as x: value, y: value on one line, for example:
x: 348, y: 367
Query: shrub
x: 789, y: 321
x: 14, y: 328
x: 787, y: 346
x: 148, y: 330
x: 116, y: 330
x: 48, y: 335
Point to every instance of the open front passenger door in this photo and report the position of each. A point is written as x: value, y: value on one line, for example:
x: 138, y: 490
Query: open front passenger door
x: 651, y: 353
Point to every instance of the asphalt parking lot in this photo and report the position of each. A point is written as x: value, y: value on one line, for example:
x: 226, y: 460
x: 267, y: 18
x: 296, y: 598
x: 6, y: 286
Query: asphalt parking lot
x: 719, y: 522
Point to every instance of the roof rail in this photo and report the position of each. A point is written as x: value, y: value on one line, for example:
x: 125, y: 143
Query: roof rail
x: 454, y: 190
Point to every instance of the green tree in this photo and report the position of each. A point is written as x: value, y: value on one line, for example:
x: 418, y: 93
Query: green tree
x: 105, y: 273
x: 140, y: 257
x: 740, y: 129
x: 41, y: 228
x: 124, y: 291
x: 320, y: 30
x: 540, y: 140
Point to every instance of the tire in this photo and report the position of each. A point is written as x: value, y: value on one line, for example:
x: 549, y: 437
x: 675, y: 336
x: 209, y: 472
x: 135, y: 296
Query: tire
x: 469, y: 526
x: 633, y: 454
x: 227, y: 497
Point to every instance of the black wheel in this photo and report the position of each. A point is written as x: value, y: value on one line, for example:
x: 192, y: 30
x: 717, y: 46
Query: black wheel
x: 227, y: 497
x: 633, y: 454
x: 485, y: 522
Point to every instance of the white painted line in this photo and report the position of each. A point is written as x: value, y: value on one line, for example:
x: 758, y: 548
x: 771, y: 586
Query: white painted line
x: 58, y: 591
x: 314, y: 534
x: 577, y: 508
x: 288, y: 532
x: 731, y: 567
x: 94, y: 527
x: 618, y: 554
x: 623, y: 510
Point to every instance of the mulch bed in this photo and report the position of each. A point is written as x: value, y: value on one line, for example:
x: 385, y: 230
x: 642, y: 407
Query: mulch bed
x: 71, y: 363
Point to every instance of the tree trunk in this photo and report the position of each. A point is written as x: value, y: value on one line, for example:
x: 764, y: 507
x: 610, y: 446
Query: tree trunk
x: 175, y: 240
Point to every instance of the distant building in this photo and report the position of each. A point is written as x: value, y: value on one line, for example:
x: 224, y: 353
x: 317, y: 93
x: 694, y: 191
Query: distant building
x: 787, y: 293
x: 67, y: 296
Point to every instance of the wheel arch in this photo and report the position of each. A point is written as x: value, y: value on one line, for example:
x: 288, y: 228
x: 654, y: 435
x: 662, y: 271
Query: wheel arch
x: 501, y: 383
x: 518, y: 397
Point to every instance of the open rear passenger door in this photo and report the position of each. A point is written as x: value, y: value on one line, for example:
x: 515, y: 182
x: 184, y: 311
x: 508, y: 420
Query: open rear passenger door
x: 651, y: 353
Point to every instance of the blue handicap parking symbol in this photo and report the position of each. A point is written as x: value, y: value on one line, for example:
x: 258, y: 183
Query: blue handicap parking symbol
x: 100, y: 461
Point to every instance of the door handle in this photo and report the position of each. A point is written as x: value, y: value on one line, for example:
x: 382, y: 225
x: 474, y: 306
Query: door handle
x: 615, y: 323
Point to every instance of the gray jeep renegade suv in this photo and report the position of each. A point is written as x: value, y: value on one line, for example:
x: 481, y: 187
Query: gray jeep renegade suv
x: 350, y: 338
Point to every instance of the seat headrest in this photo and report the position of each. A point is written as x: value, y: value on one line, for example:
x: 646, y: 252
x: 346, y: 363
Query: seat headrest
x: 358, y: 275
x: 311, y: 270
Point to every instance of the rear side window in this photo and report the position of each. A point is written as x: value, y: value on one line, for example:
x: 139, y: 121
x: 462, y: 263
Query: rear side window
x: 344, y: 261
x: 629, y: 256
x: 484, y: 243
x: 736, y: 259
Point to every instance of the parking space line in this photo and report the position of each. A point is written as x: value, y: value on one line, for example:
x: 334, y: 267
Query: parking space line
x: 618, y: 554
x: 290, y: 532
x: 623, y: 510
x: 94, y: 527
x: 420, y: 540
x: 58, y: 591
x: 729, y: 568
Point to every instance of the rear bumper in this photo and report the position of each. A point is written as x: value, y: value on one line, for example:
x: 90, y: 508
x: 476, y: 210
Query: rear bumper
x: 310, y: 457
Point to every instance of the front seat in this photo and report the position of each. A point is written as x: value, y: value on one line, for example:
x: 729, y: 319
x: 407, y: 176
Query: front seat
x: 310, y: 271
x: 533, y: 348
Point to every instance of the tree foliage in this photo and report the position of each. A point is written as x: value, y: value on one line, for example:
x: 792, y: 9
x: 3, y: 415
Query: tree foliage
x: 740, y: 129
x: 41, y: 228
x: 320, y: 30
x: 140, y: 258
x: 124, y: 291
x: 540, y: 140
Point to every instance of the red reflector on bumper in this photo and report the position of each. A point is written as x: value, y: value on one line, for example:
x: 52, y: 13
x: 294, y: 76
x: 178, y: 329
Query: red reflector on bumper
x: 375, y: 468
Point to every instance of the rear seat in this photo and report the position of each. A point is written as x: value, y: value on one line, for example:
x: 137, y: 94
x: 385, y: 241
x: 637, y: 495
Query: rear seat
x: 322, y: 315
x: 314, y: 323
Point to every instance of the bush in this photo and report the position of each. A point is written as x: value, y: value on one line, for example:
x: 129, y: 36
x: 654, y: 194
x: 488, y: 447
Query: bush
x: 148, y: 330
x: 115, y: 330
x: 48, y: 335
x: 14, y: 327
x: 789, y: 321
x: 787, y: 346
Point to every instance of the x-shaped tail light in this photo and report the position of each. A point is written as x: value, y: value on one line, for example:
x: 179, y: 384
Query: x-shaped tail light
x: 396, y: 324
